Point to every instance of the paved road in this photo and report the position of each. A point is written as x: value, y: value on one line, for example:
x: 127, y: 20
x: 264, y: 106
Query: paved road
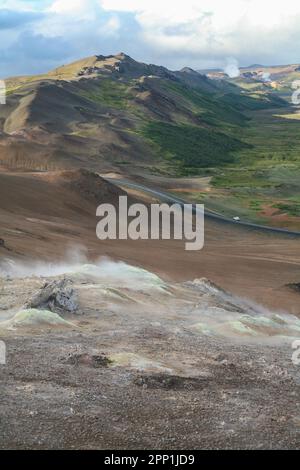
x: 208, y: 213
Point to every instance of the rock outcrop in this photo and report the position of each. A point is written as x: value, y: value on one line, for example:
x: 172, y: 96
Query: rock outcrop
x: 57, y: 296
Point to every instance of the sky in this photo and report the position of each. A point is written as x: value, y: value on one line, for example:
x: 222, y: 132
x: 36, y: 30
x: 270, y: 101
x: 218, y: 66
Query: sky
x: 38, y: 35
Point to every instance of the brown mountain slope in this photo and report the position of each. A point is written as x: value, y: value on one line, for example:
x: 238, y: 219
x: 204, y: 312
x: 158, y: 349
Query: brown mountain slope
x: 48, y: 194
x: 45, y: 212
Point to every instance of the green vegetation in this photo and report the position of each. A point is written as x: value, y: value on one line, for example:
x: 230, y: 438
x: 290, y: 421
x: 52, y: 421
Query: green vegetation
x: 224, y: 135
x: 255, y: 204
x: 257, y: 175
x: 191, y: 147
x: 266, y: 174
x: 290, y: 207
x: 11, y: 91
x: 210, y: 108
x: 253, y: 101
x: 108, y: 92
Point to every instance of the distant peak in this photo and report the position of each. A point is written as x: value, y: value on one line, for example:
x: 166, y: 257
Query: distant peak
x: 119, y: 56
x: 122, y: 55
x: 189, y: 70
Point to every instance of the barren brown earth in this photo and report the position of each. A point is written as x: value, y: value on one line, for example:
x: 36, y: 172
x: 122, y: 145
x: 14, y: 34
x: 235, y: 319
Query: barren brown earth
x: 43, y: 214
x: 145, y: 363
x: 241, y: 397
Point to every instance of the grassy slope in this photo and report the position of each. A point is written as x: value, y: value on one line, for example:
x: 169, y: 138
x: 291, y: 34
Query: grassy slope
x: 189, y: 147
x: 199, y: 132
x: 262, y: 183
x: 109, y: 93
x: 216, y: 139
x: 266, y: 176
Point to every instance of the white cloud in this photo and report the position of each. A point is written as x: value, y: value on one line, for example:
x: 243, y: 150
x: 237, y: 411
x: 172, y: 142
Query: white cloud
x: 226, y: 13
x: 214, y: 29
x: 113, y: 25
x: 67, y: 6
x: 197, y: 33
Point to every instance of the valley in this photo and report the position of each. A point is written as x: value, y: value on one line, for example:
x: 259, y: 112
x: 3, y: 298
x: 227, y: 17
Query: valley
x: 115, y: 114
x: 140, y: 344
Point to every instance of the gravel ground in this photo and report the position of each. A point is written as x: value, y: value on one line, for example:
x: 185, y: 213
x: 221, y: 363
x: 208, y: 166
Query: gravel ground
x: 124, y: 378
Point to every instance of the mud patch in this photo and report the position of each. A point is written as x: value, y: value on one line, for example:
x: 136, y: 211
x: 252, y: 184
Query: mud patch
x: 170, y: 382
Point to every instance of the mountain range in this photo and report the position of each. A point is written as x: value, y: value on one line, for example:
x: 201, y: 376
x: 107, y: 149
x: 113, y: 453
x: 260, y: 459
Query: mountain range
x: 114, y: 114
x: 106, y: 112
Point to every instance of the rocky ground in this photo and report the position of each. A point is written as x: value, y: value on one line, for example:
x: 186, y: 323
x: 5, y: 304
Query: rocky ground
x: 110, y: 356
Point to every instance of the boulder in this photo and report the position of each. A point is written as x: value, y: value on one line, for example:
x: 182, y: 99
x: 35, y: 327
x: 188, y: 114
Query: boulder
x: 56, y: 296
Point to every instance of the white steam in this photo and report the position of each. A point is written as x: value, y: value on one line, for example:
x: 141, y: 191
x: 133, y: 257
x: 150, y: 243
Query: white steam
x: 232, y: 68
x: 199, y: 306
x: 75, y: 257
x: 266, y: 76
x: 108, y: 272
